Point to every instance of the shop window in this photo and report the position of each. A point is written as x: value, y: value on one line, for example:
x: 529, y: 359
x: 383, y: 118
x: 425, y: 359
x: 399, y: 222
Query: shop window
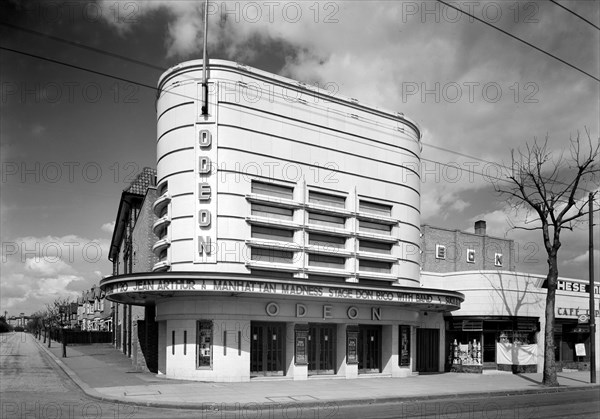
x: 471, y: 255
x: 375, y: 247
x: 375, y: 266
x: 326, y: 220
x: 272, y: 255
x: 326, y: 241
x: 204, y: 344
x: 326, y: 261
x: 440, y: 251
x: 271, y: 189
x: 270, y: 233
x: 498, y: 259
x: 375, y: 208
x: 377, y: 228
x: 326, y: 199
x: 270, y: 211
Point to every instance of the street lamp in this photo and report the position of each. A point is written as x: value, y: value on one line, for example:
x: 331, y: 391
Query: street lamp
x: 64, y: 339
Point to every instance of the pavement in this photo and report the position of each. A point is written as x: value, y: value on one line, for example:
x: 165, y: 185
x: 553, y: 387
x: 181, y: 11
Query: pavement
x: 105, y: 373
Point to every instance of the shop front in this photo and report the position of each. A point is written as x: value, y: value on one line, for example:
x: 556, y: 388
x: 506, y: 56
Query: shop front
x: 491, y: 342
x: 572, y: 338
x: 501, y: 323
x: 229, y: 329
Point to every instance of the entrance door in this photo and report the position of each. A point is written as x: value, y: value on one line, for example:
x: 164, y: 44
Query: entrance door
x: 267, y: 348
x: 428, y: 350
x: 321, y: 349
x: 369, y: 349
x: 489, y: 347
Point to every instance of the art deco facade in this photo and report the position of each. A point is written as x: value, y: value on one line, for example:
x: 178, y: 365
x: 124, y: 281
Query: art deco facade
x: 287, y: 234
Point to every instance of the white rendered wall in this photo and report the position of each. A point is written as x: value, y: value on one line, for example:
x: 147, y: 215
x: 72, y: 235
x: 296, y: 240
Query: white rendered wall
x: 267, y: 127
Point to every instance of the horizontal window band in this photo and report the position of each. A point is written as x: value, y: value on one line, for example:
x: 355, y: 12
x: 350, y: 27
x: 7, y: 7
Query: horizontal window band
x: 271, y: 135
x: 313, y: 165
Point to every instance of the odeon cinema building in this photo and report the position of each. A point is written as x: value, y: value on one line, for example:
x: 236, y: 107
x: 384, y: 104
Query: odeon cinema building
x: 280, y: 237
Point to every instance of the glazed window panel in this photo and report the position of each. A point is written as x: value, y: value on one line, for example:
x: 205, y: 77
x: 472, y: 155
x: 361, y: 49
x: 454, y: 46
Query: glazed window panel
x: 375, y: 208
x: 205, y: 344
x: 375, y: 266
x: 272, y: 255
x: 326, y: 199
x: 324, y: 261
x: 326, y: 241
x: 270, y: 211
x: 326, y: 220
x: 377, y: 228
x: 269, y: 233
x: 375, y: 247
x: 271, y: 189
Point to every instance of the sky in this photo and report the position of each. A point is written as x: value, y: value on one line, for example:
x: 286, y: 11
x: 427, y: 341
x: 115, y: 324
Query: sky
x: 73, y: 136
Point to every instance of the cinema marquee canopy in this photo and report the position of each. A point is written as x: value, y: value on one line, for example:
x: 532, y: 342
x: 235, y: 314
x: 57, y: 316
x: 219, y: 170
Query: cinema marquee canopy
x: 146, y: 288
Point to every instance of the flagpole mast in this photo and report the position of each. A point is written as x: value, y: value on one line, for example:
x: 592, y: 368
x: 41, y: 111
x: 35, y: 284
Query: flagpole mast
x: 592, y: 296
x: 204, y: 61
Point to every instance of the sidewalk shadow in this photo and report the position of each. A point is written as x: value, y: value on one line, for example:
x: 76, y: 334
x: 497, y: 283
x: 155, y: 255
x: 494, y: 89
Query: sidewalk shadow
x: 528, y: 379
x: 573, y: 379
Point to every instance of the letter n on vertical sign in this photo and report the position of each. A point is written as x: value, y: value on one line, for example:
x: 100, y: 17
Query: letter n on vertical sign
x: 206, y: 193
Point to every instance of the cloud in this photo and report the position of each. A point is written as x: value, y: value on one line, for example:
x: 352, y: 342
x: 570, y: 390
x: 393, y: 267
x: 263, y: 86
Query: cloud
x: 45, y: 267
x: 38, y: 129
x: 583, y: 258
x: 108, y: 227
x: 38, y: 270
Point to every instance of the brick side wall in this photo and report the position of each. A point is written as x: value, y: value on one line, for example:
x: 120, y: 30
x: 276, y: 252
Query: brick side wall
x: 144, y: 349
x: 143, y: 236
x: 457, y: 245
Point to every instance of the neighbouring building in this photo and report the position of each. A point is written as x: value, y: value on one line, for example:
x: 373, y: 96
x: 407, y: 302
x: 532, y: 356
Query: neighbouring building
x: 501, y: 323
x: 17, y: 321
x: 134, y: 327
x: 284, y: 235
x: 94, y: 312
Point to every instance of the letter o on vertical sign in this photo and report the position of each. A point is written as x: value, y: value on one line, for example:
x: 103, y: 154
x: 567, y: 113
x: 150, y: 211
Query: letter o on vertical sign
x: 352, y: 312
x: 272, y: 309
x: 205, y: 138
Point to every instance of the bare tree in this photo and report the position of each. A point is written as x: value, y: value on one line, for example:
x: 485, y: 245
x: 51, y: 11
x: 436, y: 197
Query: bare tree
x: 53, y: 311
x: 552, y: 190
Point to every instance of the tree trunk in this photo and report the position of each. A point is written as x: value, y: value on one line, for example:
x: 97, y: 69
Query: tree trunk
x: 550, y: 378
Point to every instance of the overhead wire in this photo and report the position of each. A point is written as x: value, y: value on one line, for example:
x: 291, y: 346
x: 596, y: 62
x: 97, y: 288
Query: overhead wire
x: 138, y: 62
x: 575, y: 14
x: 520, y: 40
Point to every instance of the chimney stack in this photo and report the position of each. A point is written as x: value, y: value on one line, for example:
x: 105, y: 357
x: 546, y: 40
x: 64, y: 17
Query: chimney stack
x: 480, y: 227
